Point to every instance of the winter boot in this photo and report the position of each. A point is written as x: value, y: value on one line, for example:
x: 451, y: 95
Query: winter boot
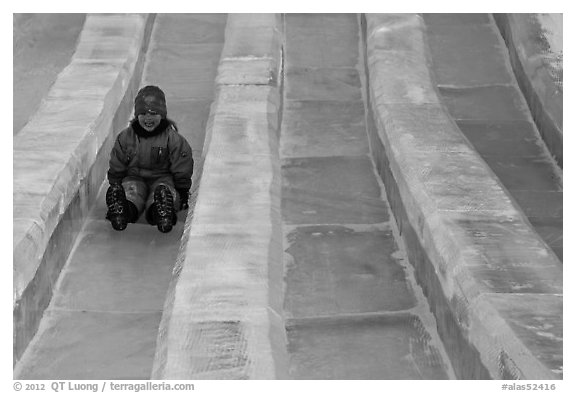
x: 163, y: 209
x: 118, y: 208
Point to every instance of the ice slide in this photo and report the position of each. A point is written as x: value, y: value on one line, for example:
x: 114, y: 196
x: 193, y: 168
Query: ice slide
x: 312, y: 252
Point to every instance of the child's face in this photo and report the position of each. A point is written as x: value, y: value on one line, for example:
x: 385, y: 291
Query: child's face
x: 149, y: 121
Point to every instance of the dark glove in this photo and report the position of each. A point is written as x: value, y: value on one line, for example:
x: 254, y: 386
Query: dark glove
x: 183, y: 198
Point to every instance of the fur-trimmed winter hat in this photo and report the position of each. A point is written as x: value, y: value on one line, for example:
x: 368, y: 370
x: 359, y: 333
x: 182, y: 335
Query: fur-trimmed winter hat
x: 150, y: 98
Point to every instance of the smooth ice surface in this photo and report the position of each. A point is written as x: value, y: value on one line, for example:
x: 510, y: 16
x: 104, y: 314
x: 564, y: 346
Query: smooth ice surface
x: 493, y: 103
x: 382, y: 347
x: 324, y: 128
x: 322, y: 84
x: 134, y: 266
x: 78, y: 344
x: 461, y: 67
x: 325, y: 190
x: 495, y: 138
x: 336, y: 270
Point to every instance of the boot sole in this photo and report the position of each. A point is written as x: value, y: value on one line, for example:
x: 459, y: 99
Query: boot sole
x: 117, y: 205
x: 164, y: 202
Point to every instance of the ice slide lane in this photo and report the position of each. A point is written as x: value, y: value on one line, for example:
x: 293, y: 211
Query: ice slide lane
x: 59, y: 159
x: 353, y: 307
x: 473, y: 74
x: 103, y: 320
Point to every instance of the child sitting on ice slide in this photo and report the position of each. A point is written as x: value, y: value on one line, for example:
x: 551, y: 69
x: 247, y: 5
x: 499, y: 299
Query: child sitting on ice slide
x: 151, y: 167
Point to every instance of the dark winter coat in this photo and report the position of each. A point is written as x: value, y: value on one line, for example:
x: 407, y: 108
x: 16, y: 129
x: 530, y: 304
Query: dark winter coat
x: 151, y: 155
